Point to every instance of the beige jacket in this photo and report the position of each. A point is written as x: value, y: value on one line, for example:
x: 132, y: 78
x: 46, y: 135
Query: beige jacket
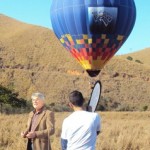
x: 45, y: 126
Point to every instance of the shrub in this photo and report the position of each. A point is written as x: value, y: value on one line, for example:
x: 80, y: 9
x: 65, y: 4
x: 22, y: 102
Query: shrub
x: 130, y: 58
x: 145, y: 108
x: 138, y: 61
x: 8, y: 97
x: 10, y: 103
x: 125, y: 107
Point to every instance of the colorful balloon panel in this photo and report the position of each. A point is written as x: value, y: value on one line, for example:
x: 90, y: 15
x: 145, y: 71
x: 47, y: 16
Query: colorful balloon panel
x: 93, y: 30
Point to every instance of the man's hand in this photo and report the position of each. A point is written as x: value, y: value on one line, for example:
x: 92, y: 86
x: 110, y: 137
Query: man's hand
x: 23, y: 134
x: 31, y: 135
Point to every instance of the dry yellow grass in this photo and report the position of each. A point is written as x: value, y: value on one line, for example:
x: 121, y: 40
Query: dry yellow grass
x: 120, y: 131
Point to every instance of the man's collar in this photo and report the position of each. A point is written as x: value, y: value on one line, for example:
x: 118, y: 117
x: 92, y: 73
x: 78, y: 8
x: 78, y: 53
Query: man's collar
x: 39, y: 111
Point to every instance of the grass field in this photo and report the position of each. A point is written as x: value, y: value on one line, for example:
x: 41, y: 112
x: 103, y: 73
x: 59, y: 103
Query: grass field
x: 120, y: 131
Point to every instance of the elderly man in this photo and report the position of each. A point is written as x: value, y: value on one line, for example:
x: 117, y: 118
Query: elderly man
x: 40, y: 125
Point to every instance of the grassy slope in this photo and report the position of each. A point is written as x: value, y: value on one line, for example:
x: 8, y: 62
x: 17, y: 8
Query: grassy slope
x: 32, y: 59
x: 142, y: 55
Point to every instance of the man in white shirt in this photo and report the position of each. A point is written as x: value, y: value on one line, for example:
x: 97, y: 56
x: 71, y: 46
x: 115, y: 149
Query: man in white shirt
x: 80, y: 129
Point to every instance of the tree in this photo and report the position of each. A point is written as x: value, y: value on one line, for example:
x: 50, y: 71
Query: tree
x: 8, y: 97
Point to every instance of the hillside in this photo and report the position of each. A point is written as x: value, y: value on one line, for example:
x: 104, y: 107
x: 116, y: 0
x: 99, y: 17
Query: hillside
x: 142, y: 55
x: 32, y: 59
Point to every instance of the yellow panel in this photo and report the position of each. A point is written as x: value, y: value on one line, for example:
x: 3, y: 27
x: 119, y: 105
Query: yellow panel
x: 85, y: 36
x: 89, y: 41
x: 78, y: 41
x: 62, y: 40
x: 106, y: 41
x: 69, y: 37
x: 85, y: 64
x: 103, y: 36
x: 120, y: 37
x: 98, y: 64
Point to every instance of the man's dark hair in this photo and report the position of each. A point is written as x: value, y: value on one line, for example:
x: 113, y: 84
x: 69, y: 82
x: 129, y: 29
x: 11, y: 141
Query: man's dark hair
x: 76, y: 98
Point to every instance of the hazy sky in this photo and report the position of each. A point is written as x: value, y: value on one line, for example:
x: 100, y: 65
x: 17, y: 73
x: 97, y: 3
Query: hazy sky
x: 37, y: 12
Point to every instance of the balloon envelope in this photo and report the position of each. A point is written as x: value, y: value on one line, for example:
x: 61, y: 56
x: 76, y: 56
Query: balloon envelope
x: 93, y: 30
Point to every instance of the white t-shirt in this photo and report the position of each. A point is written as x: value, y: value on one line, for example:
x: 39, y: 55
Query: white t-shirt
x: 80, y: 130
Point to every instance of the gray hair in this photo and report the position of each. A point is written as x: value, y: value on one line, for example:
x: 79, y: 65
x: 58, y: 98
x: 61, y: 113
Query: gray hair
x: 38, y: 95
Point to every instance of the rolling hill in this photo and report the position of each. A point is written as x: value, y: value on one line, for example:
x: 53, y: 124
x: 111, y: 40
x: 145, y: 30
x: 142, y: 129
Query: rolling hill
x: 32, y: 59
x: 142, y: 55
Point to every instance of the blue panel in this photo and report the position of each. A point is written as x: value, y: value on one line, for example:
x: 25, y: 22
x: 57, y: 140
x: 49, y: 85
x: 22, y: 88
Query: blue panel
x: 61, y: 19
x: 100, y: 2
x: 54, y: 24
x: 54, y: 19
x: 114, y: 2
x: 131, y: 21
x: 53, y: 5
x: 67, y: 3
x: 61, y: 22
x: 91, y: 2
x: 130, y: 3
x: 122, y: 23
x: 69, y: 19
x: 59, y: 5
x: 79, y: 16
x: 107, y: 3
x: 78, y: 2
x: 80, y: 19
x: 124, y: 2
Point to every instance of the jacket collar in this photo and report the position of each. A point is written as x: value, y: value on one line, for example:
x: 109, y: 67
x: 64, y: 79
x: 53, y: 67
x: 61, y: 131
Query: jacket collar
x: 41, y: 114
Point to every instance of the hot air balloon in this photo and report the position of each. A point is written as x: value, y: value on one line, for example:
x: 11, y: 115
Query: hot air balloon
x: 92, y: 30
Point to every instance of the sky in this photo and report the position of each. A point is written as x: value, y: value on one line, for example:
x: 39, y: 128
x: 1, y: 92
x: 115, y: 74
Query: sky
x: 37, y: 12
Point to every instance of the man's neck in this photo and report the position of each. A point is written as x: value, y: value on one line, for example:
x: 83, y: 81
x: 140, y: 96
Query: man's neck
x: 39, y: 110
x: 78, y: 109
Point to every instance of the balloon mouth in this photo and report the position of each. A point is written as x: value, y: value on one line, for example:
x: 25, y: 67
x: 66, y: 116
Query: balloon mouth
x: 93, y: 73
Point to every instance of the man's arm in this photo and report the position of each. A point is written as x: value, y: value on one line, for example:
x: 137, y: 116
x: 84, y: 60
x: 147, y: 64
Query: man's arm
x: 24, y: 133
x: 98, y: 119
x: 64, y: 140
x: 63, y: 144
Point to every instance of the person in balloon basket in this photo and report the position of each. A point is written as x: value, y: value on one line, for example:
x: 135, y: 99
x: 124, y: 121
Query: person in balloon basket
x: 80, y: 129
x: 40, y: 125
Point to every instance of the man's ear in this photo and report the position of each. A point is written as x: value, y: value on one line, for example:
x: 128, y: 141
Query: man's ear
x: 71, y: 105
